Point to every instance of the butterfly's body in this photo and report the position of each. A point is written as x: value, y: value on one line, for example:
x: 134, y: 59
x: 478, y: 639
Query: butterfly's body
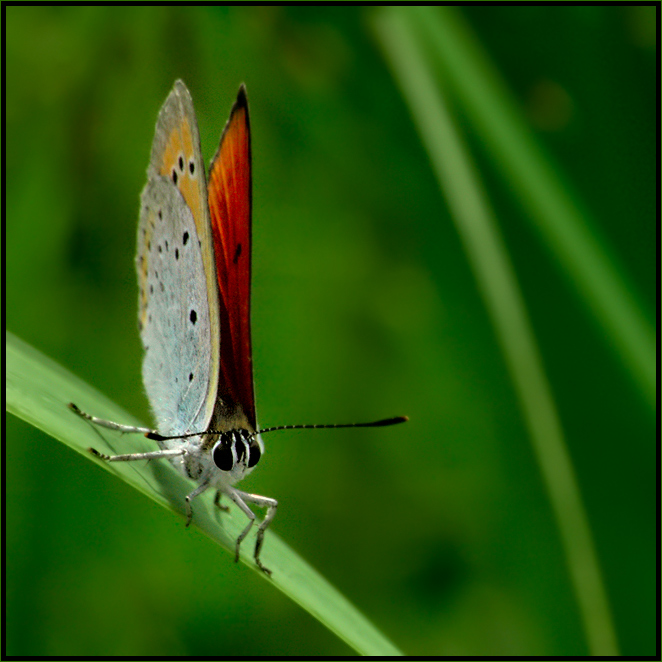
x: 194, y: 268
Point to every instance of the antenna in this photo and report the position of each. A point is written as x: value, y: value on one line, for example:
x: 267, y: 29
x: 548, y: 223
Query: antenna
x: 375, y: 424
x: 152, y: 434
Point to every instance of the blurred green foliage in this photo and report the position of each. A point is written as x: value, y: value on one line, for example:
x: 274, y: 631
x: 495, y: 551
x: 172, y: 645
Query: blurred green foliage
x: 363, y: 307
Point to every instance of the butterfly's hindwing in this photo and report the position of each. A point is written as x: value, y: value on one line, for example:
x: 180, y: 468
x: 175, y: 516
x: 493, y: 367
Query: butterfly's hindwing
x: 174, y: 310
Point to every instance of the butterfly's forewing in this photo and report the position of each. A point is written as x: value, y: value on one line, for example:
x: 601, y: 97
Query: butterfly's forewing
x: 178, y: 309
x: 230, y: 208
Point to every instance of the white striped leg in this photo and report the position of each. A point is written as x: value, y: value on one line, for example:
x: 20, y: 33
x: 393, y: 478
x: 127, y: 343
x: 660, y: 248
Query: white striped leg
x: 240, y: 498
x: 110, y: 424
x: 128, y: 457
x: 131, y: 457
x: 189, y: 497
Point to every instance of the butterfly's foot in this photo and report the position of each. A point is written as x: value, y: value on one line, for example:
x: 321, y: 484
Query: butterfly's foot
x: 189, y: 512
x: 218, y: 504
x: 96, y: 453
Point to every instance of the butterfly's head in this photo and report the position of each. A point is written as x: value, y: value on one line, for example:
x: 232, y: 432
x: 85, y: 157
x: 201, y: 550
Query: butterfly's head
x: 236, y: 452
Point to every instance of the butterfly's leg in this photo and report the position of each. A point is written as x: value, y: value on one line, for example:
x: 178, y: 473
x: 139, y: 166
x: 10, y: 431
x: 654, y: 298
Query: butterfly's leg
x: 270, y: 505
x: 131, y: 457
x: 240, y: 499
x: 189, y: 497
x: 128, y: 457
x: 251, y: 518
x: 217, y: 502
x: 234, y: 495
x: 109, y: 424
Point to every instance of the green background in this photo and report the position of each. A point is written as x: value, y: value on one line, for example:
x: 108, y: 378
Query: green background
x: 363, y: 307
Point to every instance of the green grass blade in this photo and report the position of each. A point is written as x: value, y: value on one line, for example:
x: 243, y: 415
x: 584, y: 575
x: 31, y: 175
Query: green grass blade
x: 565, y: 228
x: 498, y: 285
x: 38, y: 391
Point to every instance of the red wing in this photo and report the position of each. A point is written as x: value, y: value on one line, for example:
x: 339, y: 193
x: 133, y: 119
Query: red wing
x: 230, y: 208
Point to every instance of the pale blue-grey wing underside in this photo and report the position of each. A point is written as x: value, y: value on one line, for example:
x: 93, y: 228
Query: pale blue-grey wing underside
x: 173, y: 310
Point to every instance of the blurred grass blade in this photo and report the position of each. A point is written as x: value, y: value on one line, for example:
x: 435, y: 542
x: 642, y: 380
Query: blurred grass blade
x: 497, y: 283
x: 38, y: 390
x: 564, y: 229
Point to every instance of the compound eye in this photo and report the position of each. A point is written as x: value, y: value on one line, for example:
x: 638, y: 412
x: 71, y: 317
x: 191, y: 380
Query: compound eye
x: 222, y: 455
x: 254, y: 454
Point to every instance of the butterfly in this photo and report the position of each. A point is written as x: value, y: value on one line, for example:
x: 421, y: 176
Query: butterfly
x: 194, y: 273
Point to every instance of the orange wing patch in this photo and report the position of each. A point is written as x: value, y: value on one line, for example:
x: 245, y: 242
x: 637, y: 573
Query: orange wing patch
x: 179, y: 163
